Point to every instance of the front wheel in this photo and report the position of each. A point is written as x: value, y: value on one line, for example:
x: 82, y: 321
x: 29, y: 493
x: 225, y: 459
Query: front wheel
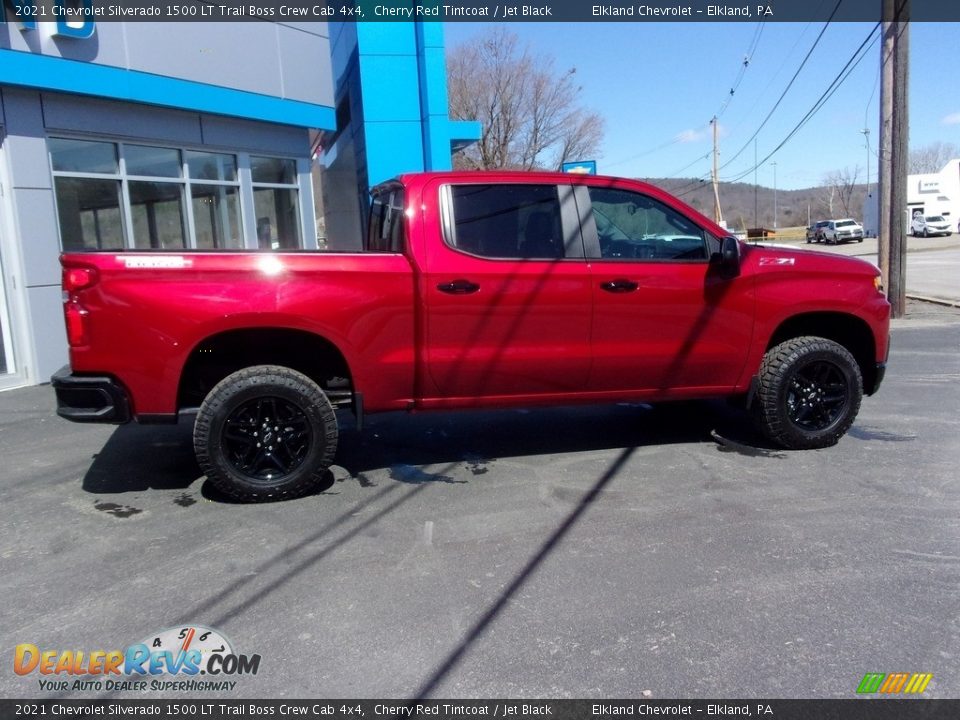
x: 265, y: 433
x: 808, y: 393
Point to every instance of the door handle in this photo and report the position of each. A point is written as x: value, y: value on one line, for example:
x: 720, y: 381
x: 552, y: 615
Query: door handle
x: 458, y: 287
x: 620, y: 285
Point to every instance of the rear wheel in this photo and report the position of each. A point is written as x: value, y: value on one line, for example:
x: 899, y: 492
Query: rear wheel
x: 265, y: 433
x: 808, y: 394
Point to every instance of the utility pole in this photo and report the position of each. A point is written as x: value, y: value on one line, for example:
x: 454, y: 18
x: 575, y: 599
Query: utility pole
x: 717, y: 212
x: 866, y: 139
x: 774, y: 163
x: 756, y: 204
x: 894, y: 130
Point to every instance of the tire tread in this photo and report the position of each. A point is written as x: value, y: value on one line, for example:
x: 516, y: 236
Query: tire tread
x: 774, y: 371
x: 241, y: 380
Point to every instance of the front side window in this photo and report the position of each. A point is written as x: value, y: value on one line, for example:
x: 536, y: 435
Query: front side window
x: 519, y: 222
x: 632, y: 226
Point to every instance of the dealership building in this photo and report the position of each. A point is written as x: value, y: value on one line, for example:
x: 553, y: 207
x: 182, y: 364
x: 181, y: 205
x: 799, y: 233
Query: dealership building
x: 936, y: 193
x: 166, y: 136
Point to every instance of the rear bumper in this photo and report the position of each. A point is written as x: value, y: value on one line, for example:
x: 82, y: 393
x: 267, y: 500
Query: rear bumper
x: 90, y: 398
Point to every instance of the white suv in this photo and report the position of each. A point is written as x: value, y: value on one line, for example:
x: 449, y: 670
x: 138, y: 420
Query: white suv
x: 925, y: 226
x: 841, y: 231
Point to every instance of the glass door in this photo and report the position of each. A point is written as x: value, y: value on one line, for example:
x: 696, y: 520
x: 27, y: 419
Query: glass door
x: 8, y: 368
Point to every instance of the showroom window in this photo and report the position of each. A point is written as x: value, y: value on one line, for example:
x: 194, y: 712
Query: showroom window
x: 275, y: 202
x: 115, y: 196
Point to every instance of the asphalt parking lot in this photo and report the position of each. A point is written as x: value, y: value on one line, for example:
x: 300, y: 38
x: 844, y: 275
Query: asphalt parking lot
x: 590, y: 552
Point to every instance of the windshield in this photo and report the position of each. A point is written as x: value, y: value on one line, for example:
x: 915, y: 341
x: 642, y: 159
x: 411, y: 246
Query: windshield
x: 846, y: 223
x: 934, y: 218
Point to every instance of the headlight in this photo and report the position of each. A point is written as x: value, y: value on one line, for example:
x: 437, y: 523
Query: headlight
x: 878, y: 283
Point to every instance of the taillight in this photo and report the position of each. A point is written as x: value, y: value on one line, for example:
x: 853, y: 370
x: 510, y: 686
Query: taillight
x: 78, y: 278
x: 76, y: 318
x: 74, y: 280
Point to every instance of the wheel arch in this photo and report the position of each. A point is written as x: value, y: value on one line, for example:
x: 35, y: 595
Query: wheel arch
x: 845, y: 329
x: 225, y: 352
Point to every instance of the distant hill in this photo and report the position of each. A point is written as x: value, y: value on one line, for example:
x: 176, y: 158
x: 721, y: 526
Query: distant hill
x: 737, y: 202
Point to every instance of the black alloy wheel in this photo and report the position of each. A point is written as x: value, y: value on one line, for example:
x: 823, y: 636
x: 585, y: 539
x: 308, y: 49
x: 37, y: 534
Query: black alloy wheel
x: 266, y: 438
x: 817, y: 395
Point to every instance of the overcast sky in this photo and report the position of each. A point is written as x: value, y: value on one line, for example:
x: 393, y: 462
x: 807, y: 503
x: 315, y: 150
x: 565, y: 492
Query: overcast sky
x: 658, y: 84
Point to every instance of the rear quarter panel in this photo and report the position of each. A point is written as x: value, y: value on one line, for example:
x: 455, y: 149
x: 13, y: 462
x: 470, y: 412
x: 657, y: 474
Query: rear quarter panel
x: 145, y: 321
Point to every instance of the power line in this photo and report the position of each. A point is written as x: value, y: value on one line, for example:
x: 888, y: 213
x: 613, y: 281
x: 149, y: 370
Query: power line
x: 786, y: 89
x: 747, y: 58
x: 751, y: 49
x: 835, y: 84
x: 838, y: 80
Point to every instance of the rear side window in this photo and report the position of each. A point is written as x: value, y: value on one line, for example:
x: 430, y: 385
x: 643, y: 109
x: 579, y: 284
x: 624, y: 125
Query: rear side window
x: 385, y: 229
x: 506, y: 221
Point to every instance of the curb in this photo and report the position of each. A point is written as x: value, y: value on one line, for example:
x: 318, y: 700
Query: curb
x: 934, y: 300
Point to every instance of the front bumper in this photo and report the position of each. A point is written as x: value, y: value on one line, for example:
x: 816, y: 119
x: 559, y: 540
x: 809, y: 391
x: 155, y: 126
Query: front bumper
x: 90, y: 398
x: 878, y: 375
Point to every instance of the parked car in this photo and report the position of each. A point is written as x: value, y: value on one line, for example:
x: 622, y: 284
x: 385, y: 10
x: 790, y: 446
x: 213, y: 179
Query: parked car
x: 815, y: 231
x: 927, y: 225
x: 475, y: 290
x: 837, y: 231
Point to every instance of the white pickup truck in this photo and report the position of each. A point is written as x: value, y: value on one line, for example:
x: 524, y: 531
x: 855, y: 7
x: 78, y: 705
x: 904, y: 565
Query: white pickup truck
x: 836, y: 231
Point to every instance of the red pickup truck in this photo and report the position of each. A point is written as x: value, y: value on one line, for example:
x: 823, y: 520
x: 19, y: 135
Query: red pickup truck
x: 473, y: 290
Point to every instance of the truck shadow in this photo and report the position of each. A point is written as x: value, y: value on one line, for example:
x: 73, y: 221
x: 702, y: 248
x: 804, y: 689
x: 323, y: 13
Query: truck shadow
x: 476, y: 438
x: 144, y: 457
x: 160, y: 457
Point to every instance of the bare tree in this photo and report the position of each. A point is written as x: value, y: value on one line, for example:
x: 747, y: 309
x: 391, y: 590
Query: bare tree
x: 528, y: 111
x: 825, y: 198
x: 931, y: 158
x: 842, y: 185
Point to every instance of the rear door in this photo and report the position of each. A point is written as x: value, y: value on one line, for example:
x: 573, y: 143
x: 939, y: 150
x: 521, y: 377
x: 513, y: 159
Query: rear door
x: 507, y: 293
x: 664, y: 317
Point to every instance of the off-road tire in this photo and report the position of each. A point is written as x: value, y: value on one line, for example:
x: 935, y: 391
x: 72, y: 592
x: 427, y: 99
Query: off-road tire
x: 252, y: 457
x: 808, y: 393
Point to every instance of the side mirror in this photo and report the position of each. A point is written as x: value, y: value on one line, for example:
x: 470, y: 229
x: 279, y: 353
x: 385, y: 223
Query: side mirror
x: 729, y: 257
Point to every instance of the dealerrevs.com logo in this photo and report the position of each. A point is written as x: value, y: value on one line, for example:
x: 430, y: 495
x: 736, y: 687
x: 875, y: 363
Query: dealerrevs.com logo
x: 171, y: 660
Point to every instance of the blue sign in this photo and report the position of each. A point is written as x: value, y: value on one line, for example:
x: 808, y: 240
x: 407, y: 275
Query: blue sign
x: 581, y: 167
x: 74, y: 20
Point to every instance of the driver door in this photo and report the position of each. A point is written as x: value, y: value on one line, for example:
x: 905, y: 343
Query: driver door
x: 664, y: 319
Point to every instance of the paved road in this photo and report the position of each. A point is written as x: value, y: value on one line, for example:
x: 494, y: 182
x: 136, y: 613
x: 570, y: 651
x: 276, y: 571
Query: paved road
x: 594, y: 552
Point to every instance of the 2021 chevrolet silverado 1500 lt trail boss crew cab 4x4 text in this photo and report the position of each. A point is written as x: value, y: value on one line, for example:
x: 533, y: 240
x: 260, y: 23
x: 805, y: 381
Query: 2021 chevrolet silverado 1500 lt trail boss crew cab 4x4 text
x: 474, y: 290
